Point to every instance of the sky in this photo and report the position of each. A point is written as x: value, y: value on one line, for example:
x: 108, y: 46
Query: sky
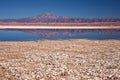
x: 70, y: 8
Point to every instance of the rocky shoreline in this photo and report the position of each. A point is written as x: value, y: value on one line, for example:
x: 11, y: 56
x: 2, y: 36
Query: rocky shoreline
x: 60, y: 60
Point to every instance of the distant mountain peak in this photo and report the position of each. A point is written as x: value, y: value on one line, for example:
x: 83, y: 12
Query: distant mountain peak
x: 46, y: 14
x: 49, y: 18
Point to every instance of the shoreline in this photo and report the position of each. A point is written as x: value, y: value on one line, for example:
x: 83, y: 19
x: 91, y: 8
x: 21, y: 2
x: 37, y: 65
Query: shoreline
x: 59, y: 27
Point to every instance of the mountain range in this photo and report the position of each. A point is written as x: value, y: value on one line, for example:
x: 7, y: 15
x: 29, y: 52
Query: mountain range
x: 50, y: 18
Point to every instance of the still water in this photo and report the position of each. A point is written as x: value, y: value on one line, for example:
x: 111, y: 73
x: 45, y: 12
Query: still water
x: 59, y: 34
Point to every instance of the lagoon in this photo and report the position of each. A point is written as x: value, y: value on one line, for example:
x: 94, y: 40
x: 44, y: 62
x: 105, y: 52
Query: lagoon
x: 58, y: 34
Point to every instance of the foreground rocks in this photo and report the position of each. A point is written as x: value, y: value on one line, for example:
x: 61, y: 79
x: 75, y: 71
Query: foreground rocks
x: 60, y: 60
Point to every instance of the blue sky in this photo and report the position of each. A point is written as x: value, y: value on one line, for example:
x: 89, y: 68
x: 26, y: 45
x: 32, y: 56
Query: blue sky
x: 71, y: 8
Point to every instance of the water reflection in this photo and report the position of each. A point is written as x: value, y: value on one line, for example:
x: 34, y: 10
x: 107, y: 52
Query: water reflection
x: 56, y: 34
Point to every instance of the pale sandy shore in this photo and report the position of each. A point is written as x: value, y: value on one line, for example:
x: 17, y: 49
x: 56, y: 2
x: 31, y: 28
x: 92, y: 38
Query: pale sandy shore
x: 60, y: 60
x: 59, y: 27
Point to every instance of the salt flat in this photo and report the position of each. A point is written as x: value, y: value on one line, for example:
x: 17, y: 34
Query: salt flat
x: 60, y: 60
x: 59, y: 27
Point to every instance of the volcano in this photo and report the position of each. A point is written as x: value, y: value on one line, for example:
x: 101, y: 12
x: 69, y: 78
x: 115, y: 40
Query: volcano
x: 51, y: 18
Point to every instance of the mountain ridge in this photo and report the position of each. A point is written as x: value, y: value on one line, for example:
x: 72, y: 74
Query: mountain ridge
x: 51, y: 18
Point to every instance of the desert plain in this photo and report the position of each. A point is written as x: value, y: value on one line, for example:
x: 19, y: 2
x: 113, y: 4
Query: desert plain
x: 60, y: 60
